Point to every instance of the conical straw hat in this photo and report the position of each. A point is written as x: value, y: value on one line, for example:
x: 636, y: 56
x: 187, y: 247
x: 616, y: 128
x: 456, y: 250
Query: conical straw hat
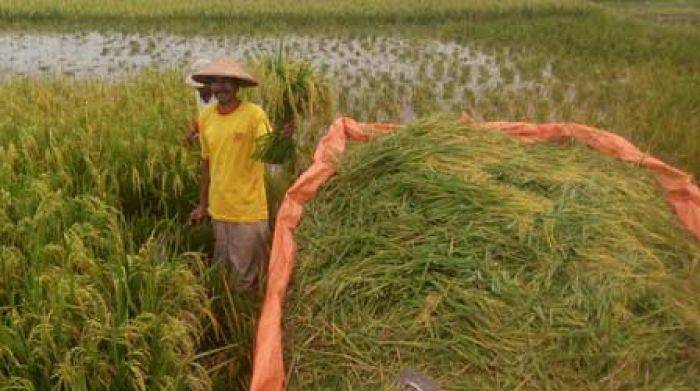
x: 194, y: 67
x: 225, y: 67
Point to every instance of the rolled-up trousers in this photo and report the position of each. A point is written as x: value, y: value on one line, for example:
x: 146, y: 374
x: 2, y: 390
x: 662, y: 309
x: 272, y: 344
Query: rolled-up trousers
x: 244, y: 247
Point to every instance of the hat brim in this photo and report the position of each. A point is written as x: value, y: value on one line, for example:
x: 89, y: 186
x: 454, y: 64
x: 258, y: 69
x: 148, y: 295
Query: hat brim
x: 204, y: 78
x: 192, y: 83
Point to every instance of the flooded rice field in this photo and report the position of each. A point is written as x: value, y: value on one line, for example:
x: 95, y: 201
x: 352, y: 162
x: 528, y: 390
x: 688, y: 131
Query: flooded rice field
x: 392, y: 74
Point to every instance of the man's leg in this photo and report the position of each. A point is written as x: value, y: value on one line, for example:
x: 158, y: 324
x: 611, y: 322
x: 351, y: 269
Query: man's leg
x: 221, y: 240
x: 252, y: 249
x: 245, y: 248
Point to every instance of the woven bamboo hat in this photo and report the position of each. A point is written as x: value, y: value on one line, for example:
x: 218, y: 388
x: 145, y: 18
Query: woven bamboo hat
x: 224, y: 67
x: 194, y: 67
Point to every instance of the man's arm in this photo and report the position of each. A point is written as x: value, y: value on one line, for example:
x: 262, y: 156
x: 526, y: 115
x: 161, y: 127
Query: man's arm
x: 200, y: 213
x: 192, y: 131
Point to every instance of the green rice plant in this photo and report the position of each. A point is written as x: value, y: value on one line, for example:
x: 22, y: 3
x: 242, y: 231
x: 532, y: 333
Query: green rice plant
x: 485, y: 263
x: 124, y: 150
x: 465, y: 74
x: 96, y: 292
x: 507, y: 75
x: 423, y: 98
x: 438, y: 70
x: 448, y: 91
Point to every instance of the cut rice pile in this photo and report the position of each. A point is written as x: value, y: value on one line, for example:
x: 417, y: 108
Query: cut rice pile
x: 484, y: 263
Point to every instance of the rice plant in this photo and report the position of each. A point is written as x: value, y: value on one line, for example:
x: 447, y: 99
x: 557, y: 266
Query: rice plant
x: 98, y: 290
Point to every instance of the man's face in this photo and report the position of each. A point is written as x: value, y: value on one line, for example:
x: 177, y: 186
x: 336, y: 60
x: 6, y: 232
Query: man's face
x: 205, y: 92
x: 224, y: 88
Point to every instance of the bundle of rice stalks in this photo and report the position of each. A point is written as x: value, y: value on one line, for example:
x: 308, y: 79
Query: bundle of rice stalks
x: 290, y: 91
x: 274, y: 148
x: 483, y: 263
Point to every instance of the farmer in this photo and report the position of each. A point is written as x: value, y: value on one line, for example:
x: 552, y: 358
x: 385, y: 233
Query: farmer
x: 203, y: 96
x: 232, y: 185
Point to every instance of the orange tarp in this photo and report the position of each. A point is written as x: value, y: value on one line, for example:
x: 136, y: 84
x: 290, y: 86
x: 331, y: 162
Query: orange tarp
x: 268, y: 365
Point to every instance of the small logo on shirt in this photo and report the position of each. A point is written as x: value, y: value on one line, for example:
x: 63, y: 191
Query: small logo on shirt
x: 238, y: 137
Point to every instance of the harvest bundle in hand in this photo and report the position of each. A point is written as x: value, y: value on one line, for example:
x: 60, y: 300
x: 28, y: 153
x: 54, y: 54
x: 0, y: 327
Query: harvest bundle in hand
x: 291, y: 92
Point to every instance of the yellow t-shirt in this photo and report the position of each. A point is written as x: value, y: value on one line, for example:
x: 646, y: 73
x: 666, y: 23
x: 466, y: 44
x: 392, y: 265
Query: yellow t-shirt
x: 237, y: 186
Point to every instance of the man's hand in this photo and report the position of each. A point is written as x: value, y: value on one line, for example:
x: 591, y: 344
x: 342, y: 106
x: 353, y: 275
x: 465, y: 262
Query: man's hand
x: 289, y: 128
x: 192, y: 132
x: 199, y: 215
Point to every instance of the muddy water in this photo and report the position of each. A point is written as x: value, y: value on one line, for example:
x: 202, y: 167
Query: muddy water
x: 448, y: 72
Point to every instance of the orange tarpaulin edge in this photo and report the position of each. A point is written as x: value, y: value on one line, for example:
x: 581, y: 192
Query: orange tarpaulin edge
x: 268, y: 365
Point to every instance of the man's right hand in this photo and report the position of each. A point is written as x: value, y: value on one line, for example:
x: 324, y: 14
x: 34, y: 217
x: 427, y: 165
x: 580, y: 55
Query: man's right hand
x: 192, y: 132
x: 199, y: 215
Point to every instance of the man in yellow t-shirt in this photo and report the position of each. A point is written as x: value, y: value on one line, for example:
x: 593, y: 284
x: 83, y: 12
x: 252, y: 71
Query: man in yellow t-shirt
x: 203, y: 96
x: 232, y: 185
